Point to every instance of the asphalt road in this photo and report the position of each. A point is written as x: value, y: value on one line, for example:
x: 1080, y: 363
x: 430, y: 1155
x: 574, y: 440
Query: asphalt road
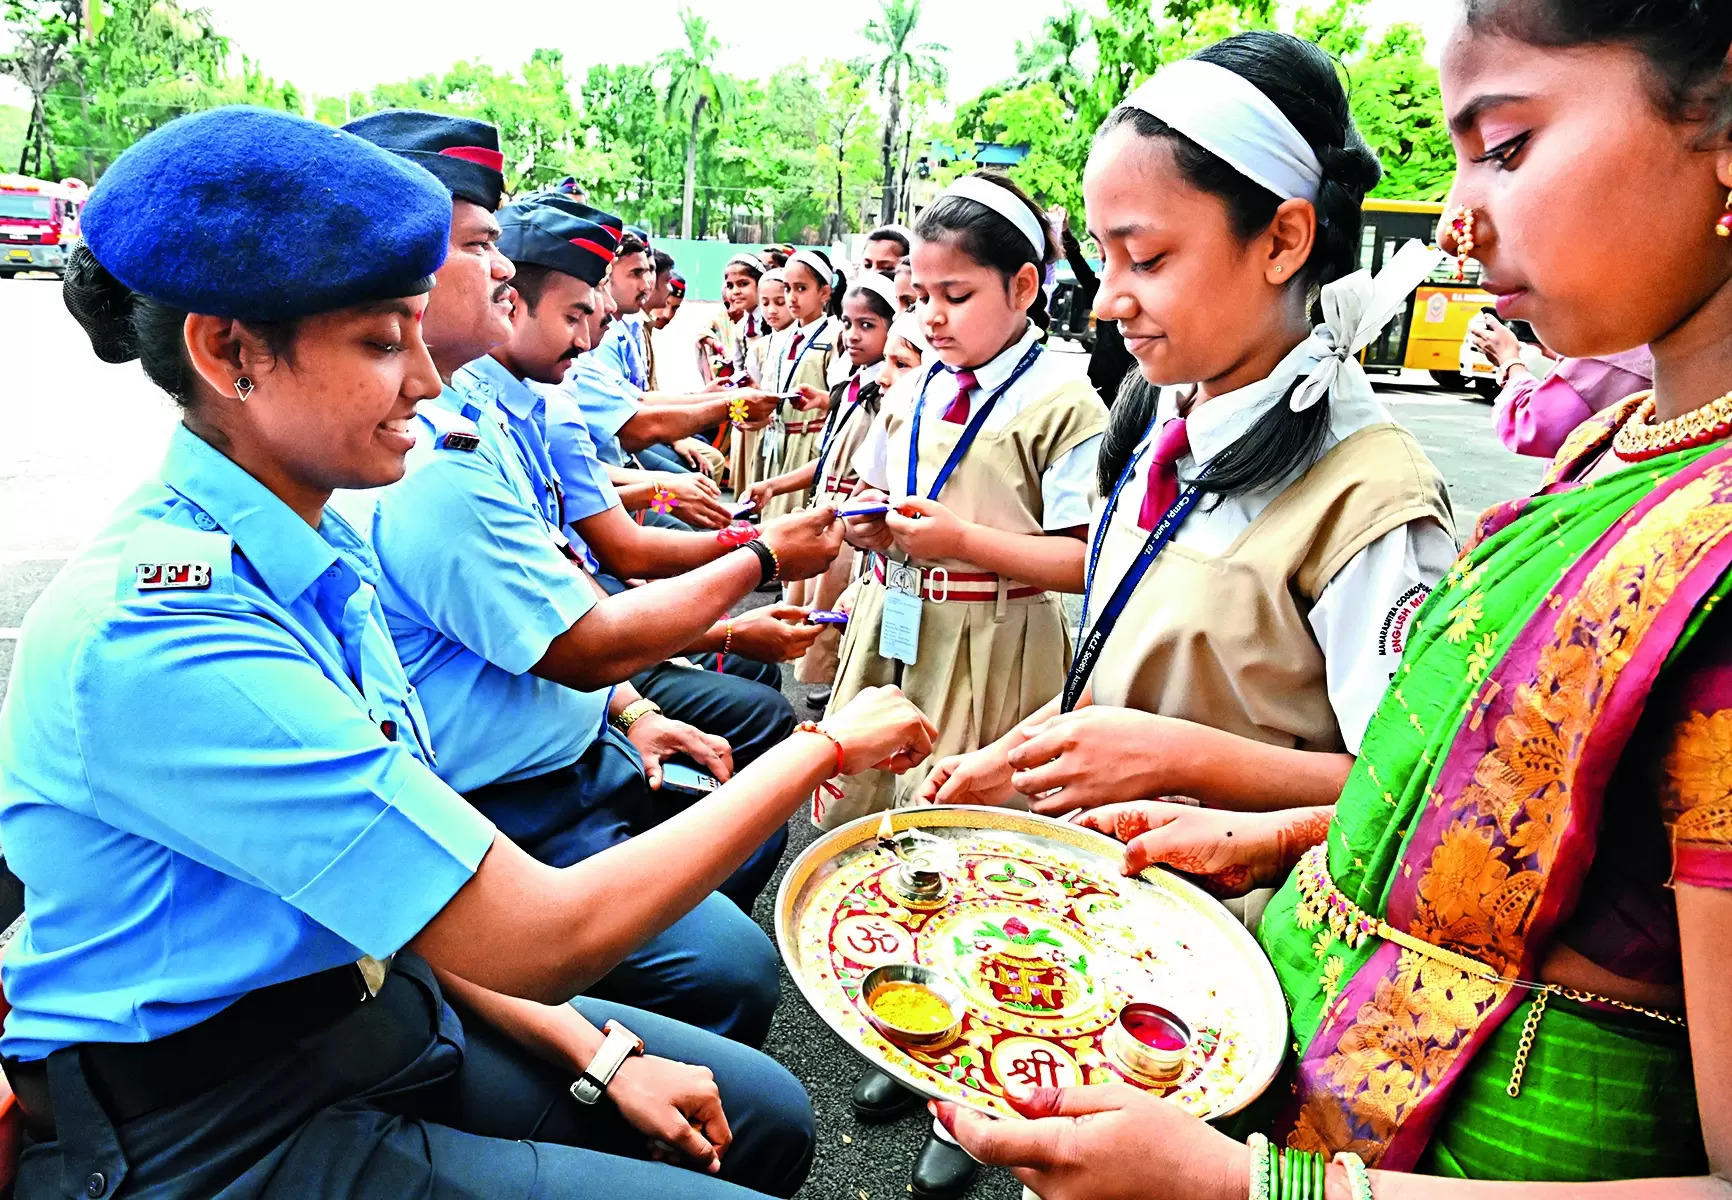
x: 78, y: 435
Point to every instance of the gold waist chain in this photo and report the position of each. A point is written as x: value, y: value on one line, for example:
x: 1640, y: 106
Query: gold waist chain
x: 1322, y: 903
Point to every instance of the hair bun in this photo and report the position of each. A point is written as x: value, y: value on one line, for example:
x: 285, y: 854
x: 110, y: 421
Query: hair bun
x: 101, y: 304
x: 1353, y: 166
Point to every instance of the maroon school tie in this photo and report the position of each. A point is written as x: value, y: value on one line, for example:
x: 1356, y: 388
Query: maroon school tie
x: 1172, y: 445
x: 794, y: 347
x: 957, y: 413
x: 854, y: 390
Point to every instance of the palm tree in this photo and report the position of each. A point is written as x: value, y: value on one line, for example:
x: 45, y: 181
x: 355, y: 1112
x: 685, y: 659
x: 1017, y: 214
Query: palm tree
x: 1049, y: 57
x: 898, y: 60
x: 694, y: 89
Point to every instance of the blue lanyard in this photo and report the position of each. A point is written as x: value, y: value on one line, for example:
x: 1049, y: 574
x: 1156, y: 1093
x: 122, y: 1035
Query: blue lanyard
x: 1089, y: 647
x: 832, y: 430
x: 969, y: 433
x: 799, y: 358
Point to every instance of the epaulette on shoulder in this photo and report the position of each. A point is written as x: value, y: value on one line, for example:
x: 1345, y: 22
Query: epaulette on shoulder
x: 451, y: 430
x: 162, y: 558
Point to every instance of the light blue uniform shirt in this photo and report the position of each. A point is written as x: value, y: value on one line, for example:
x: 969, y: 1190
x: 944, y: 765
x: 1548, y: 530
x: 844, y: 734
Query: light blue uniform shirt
x: 477, y: 582
x: 217, y: 784
x: 622, y: 350
x: 603, y: 398
x: 571, y: 482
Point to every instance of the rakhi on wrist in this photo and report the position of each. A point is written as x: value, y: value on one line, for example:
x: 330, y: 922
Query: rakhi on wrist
x: 663, y: 500
x: 737, y: 412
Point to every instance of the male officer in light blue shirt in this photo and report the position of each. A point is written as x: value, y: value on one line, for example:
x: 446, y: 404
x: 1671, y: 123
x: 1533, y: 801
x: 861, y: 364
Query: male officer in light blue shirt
x: 521, y: 661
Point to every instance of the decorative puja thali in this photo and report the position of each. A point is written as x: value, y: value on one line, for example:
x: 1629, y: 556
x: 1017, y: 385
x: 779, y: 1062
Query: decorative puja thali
x: 1041, y: 963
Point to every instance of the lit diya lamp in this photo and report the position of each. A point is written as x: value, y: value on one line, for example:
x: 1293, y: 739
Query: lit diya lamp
x: 919, y: 880
x: 911, y: 1005
x: 1151, y: 1042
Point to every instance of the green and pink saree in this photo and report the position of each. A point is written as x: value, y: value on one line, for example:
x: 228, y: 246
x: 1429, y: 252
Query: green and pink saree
x: 1474, y: 815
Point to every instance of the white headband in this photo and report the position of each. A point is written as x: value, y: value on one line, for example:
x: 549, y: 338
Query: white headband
x: 1006, y: 205
x: 816, y: 265
x: 1229, y: 116
x: 907, y: 327
x: 879, y: 286
x: 746, y: 259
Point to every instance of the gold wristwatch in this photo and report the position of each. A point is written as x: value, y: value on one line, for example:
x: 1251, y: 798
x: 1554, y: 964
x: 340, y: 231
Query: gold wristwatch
x: 632, y: 713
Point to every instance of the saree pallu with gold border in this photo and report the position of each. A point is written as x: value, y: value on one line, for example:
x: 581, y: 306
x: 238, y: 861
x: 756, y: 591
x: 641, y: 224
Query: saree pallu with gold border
x: 1470, y: 822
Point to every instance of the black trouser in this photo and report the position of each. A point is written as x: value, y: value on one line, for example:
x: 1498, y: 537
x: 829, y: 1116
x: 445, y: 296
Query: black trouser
x: 403, y: 1098
x: 714, y: 967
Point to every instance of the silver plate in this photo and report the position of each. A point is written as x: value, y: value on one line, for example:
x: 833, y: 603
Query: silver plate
x: 1046, y: 940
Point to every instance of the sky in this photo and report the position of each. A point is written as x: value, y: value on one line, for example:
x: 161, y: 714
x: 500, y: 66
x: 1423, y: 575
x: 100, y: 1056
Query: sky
x: 330, y: 47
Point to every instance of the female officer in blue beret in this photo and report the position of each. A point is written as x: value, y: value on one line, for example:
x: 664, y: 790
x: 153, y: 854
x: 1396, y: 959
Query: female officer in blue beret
x: 215, y: 788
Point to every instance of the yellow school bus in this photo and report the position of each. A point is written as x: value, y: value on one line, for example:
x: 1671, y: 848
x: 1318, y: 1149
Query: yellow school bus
x: 1427, y: 333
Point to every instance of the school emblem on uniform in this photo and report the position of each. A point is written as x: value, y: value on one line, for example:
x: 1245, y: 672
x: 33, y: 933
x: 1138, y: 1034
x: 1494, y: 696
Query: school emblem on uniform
x: 460, y: 441
x: 160, y: 576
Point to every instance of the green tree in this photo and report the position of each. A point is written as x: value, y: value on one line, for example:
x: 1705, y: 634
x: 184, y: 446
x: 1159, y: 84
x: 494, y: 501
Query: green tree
x: 139, y: 65
x: 694, y: 88
x: 1036, y: 116
x: 897, y: 61
x: 1398, y: 105
x: 847, y: 150
x: 42, y: 34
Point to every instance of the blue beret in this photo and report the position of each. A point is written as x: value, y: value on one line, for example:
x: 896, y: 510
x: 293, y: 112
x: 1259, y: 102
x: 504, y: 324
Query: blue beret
x: 552, y: 230
x: 259, y: 215
x: 463, y: 154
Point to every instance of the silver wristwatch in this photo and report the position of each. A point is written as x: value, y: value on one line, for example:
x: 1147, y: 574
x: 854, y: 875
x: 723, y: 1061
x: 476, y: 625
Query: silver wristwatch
x: 619, y: 1045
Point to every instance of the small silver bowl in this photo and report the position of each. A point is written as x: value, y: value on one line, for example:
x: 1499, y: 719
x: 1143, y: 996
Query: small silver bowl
x: 880, y: 978
x: 918, y: 886
x: 1151, y: 1042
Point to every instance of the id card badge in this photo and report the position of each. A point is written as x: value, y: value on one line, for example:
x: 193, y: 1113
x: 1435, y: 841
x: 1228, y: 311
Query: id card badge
x: 899, y: 631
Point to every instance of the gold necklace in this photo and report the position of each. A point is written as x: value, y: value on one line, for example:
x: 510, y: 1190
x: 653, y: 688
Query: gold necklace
x: 1641, y: 437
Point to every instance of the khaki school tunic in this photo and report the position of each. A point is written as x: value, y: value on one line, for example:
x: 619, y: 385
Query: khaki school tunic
x: 800, y: 430
x: 744, y: 465
x: 850, y: 422
x: 1223, y: 639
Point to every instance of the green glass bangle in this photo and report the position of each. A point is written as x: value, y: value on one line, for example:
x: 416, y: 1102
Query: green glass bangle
x: 1320, y: 1173
x: 1307, y: 1175
x: 1281, y: 1166
x: 1274, y: 1171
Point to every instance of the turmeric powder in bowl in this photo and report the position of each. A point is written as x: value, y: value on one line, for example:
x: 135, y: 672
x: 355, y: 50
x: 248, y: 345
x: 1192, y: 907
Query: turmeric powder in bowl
x: 912, y: 1007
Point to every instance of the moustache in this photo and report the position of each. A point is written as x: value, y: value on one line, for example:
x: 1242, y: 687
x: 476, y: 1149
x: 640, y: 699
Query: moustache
x: 501, y: 292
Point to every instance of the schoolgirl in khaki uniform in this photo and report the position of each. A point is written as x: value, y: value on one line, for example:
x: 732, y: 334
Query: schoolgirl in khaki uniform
x: 867, y: 311
x: 1005, y: 434
x: 1241, y: 659
x: 752, y: 336
x: 800, y: 359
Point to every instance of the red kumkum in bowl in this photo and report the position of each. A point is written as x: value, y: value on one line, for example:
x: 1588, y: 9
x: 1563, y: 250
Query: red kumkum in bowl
x: 1151, y: 1042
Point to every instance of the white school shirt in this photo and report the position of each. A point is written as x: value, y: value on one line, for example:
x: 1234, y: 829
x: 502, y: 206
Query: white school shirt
x: 1362, y: 617
x: 1067, y: 490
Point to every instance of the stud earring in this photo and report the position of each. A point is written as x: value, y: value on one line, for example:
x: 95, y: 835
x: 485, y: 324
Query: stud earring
x: 243, y: 388
x: 1458, y: 226
x: 1723, y: 226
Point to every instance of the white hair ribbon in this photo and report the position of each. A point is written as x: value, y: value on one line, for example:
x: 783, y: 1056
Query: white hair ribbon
x: 823, y: 270
x: 1229, y: 116
x: 907, y: 326
x: 1005, y: 204
x: 879, y: 286
x: 1355, y: 310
